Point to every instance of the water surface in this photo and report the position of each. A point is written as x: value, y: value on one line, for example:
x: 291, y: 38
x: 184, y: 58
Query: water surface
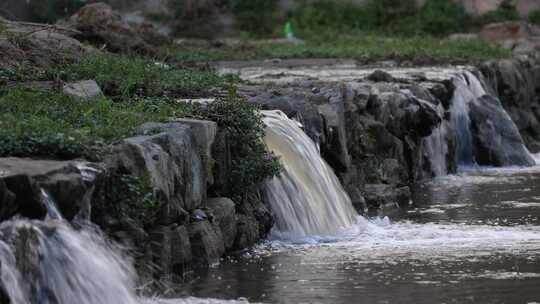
x: 470, y: 238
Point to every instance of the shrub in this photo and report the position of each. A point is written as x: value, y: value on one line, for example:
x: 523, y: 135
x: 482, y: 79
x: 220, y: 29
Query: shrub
x: 132, y: 197
x: 255, y: 16
x: 442, y: 17
x: 51, y: 10
x: 242, y: 122
x: 534, y: 17
x: 505, y: 12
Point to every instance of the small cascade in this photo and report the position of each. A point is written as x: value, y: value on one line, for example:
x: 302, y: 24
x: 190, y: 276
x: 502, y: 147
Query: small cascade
x: 437, y: 147
x: 50, y: 262
x: 307, y: 198
x: 467, y: 89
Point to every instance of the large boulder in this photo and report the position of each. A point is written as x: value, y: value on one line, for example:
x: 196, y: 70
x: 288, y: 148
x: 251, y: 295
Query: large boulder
x: 100, y: 25
x: 496, y: 137
x: 172, y: 160
x: 37, y: 47
x: 515, y: 35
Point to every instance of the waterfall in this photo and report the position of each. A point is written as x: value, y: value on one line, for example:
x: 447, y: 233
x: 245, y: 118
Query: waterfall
x: 437, y: 147
x: 307, y: 198
x: 467, y: 88
x: 49, y: 262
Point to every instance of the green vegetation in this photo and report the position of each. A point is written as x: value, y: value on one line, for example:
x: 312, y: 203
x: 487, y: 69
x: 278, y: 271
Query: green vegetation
x: 53, y: 125
x: 363, y: 46
x: 46, y: 123
x: 244, y: 128
x: 256, y: 17
x: 123, y: 77
x: 133, y: 198
x: 506, y: 12
x: 534, y: 17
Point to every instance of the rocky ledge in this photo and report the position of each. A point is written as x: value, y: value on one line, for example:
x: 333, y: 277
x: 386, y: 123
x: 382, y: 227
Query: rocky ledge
x: 385, y: 127
x: 182, y: 161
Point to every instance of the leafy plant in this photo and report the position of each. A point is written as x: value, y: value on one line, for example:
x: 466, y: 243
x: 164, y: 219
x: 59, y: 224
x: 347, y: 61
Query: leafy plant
x: 442, y: 17
x: 534, y: 17
x: 242, y: 122
x: 133, y: 197
x: 505, y: 12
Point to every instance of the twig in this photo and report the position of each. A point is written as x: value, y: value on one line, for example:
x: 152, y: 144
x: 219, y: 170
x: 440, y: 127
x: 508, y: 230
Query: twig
x: 44, y: 26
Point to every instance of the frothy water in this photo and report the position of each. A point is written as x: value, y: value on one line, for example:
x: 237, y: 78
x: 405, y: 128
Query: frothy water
x: 306, y: 198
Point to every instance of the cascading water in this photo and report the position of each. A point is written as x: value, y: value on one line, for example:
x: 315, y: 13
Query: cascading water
x: 467, y: 88
x: 307, y: 197
x: 437, y: 147
x: 46, y: 262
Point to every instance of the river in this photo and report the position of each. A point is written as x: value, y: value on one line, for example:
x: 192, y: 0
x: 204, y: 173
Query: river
x: 467, y: 238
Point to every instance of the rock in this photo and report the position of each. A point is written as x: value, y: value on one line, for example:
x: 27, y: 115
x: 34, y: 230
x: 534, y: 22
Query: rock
x: 207, y: 246
x: 247, y: 232
x: 171, y: 249
x: 8, y: 207
x: 224, y: 216
x: 65, y: 181
x: 463, y: 37
x: 42, y: 49
x: 180, y: 250
x: 497, y: 139
x: 380, y: 76
x: 100, y: 25
x: 514, y: 35
x: 380, y: 195
x: 198, y: 216
x: 85, y: 90
x: 173, y: 161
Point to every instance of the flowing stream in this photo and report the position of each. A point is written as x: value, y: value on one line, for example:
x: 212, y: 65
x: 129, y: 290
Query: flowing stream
x: 467, y: 238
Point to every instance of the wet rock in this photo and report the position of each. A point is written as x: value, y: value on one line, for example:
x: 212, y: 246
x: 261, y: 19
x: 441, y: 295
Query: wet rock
x: 224, y: 217
x: 517, y: 83
x: 497, y: 139
x: 171, y: 249
x: 85, y: 90
x: 65, y: 182
x: 380, y: 76
x: 247, y: 232
x: 198, y: 216
x: 207, y: 245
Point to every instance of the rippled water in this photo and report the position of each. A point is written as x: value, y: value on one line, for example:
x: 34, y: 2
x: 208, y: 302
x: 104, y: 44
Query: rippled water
x: 470, y: 238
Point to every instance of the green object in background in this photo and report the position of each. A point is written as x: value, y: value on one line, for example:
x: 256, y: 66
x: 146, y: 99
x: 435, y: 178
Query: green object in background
x: 289, y: 34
